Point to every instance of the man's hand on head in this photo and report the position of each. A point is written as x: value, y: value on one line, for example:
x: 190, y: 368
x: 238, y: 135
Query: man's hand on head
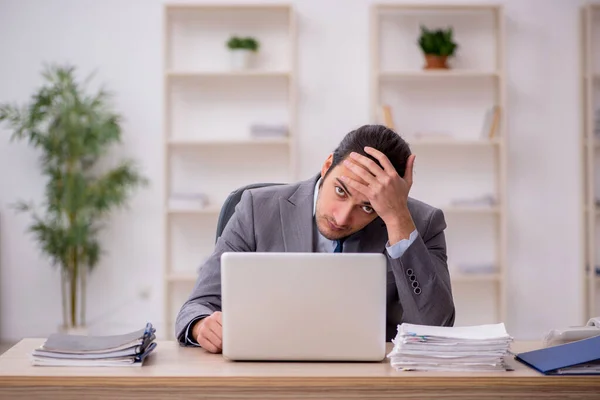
x: 386, y: 190
x: 209, y: 332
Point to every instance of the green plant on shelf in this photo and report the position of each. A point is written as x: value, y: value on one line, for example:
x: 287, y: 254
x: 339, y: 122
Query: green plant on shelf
x: 437, y: 46
x: 243, y: 51
x: 243, y: 43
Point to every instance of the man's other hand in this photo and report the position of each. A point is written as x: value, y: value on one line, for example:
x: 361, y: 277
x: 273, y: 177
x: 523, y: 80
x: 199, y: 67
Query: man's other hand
x: 209, y: 332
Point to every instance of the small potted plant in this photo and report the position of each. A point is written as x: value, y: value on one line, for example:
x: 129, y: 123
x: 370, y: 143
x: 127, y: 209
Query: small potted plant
x: 437, y: 46
x: 242, y: 51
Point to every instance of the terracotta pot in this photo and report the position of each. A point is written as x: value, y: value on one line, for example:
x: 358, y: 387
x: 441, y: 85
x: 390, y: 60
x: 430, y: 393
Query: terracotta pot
x: 435, y: 62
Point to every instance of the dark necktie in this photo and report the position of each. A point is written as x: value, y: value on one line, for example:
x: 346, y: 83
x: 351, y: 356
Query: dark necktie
x: 338, y: 246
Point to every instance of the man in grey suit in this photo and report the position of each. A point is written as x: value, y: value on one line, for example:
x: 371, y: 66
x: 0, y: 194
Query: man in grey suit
x: 358, y: 203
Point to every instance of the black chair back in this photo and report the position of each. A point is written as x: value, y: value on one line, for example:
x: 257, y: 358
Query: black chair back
x: 231, y: 201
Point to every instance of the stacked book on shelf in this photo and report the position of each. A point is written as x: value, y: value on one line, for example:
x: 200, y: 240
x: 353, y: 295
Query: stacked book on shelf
x: 436, y: 348
x: 264, y: 131
x: 130, y: 349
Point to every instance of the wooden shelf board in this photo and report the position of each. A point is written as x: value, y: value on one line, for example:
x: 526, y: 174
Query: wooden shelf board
x: 240, y: 142
x: 438, y: 7
x: 450, y: 73
x: 470, y: 210
x: 462, y: 277
x: 194, y: 211
x: 227, y: 74
x: 453, y: 142
x: 182, y: 277
x: 220, y: 6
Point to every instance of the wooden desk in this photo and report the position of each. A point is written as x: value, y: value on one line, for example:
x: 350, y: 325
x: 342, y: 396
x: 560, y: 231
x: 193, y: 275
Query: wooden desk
x: 176, y: 372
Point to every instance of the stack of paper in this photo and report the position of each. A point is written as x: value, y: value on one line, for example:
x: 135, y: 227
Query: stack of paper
x: 129, y: 349
x: 436, y: 348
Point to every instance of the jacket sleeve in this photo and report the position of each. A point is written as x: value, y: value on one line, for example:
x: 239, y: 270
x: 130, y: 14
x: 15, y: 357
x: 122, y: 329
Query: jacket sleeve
x: 205, y: 298
x: 422, y: 277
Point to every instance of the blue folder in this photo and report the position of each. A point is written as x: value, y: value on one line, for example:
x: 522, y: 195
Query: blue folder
x: 576, y: 358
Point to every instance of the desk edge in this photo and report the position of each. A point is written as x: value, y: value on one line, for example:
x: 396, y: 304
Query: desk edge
x: 331, y: 382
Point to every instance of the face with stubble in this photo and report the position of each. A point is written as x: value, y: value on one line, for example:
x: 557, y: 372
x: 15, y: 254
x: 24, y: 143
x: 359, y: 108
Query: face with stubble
x: 341, y: 212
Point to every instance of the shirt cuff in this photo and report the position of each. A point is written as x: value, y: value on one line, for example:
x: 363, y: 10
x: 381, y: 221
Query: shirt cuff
x: 398, y: 249
x: 189, y: 339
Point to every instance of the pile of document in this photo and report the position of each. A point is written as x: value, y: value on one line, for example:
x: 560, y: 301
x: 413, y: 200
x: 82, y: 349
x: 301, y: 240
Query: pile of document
x: 436, y: 348
x: 130, y: 349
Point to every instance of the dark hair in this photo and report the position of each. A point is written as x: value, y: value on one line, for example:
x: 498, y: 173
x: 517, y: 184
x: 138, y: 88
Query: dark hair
x: 379, y: 137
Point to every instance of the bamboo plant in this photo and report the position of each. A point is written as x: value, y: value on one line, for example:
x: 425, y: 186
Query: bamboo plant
x: 73, y: 128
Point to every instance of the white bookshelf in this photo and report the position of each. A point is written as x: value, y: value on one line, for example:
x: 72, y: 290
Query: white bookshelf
x: 441, y: 114
x: 209, y: 107
x: 591, y: 156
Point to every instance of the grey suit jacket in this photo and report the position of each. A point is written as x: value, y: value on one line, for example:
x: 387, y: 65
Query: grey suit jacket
x: 280, y: 218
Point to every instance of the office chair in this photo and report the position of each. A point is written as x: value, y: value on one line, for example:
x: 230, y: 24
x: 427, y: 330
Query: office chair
x: 231, y: 201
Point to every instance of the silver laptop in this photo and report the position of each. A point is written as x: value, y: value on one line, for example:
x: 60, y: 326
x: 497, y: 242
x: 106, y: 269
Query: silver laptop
x: 303, y: 306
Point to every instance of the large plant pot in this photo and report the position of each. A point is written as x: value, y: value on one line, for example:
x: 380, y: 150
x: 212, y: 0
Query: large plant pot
x: 436, y: 62
x: 74, y: 330
x: 241, y: 59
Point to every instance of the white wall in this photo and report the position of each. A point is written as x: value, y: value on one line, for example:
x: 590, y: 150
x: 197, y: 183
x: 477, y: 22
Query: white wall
x: 121, y: 39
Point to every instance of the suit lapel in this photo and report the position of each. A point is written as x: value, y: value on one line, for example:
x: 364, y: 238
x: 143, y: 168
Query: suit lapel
x: 297, y: 225
x: 297, y: 218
